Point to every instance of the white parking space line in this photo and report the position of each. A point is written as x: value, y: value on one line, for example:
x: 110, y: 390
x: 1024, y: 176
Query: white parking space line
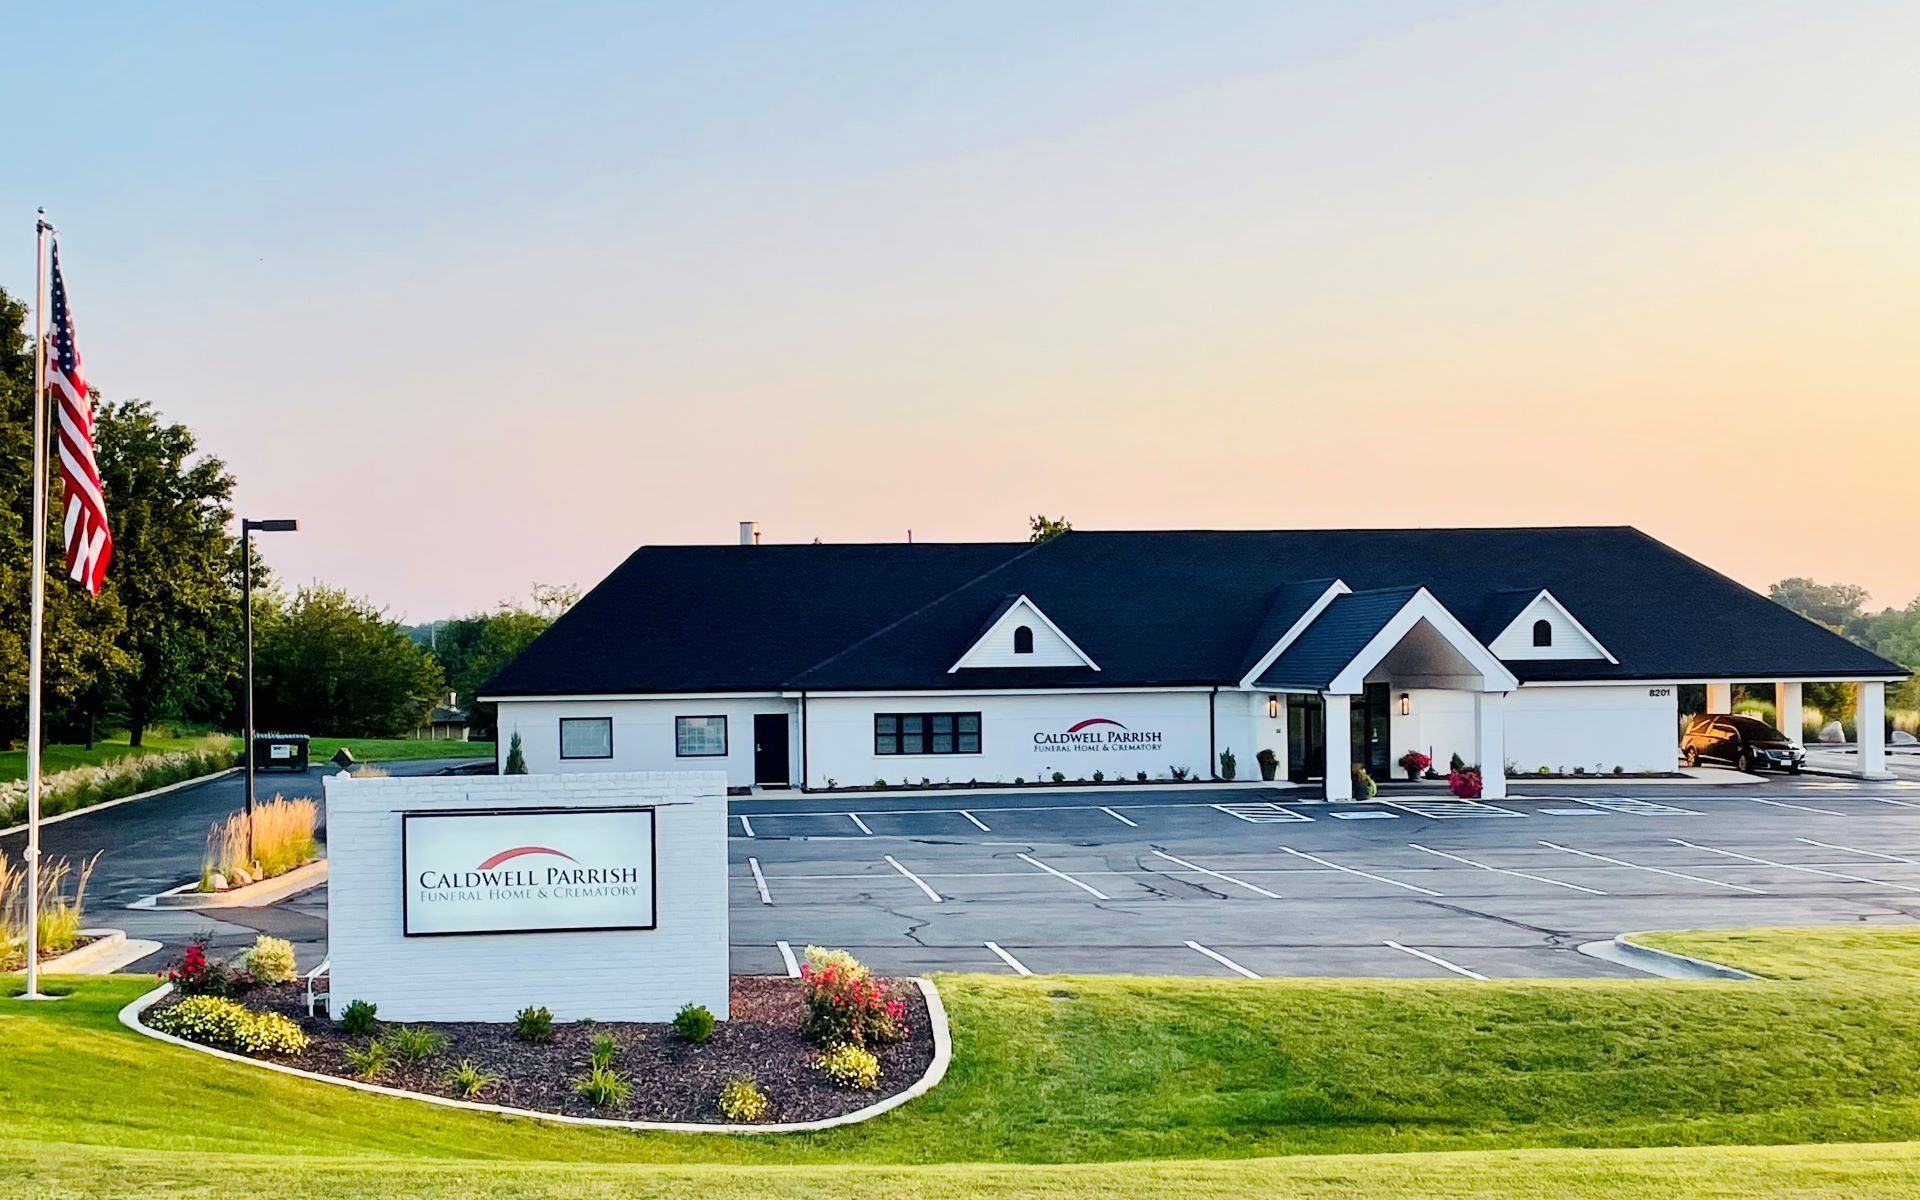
x: 1912, y: 862
x: 1252, y: 887
x: 1116, y: 816
x: 1436, y: 960
x: 1088, y: 888
x: 759, y: 881
x: 1450, y: 810
x: 1260, y: 813
x: 1223, y: 960
x: 1768, y: 862
x: 1899, y: 803
x: 977, y: 822
x: 1019, y: 968
x: 786, y: 956
x: 855, y: 818
x: 1621, y: 862
x: 1825, y: 812
x: 1631, y: 807
x: 1504, y: 871
x: 1365, y: 814
x: 746, y: 824
x: 1362, y: 874
x: 917, y: 881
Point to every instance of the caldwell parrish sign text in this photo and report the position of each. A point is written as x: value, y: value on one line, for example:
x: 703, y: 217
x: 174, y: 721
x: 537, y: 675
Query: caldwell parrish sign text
x: 522, y: 871
x: 1097, y: 733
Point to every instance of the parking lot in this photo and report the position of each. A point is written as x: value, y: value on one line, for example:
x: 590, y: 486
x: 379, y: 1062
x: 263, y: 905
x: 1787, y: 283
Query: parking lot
x: 1239, y: 883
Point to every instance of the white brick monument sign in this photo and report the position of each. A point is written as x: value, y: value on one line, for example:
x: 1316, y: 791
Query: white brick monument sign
x: 468, y: 898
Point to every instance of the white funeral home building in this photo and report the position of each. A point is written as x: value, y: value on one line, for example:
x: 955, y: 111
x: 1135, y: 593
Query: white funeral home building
x: 1152, y: 653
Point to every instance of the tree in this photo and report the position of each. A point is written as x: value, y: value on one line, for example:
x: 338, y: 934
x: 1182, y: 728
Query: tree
x: 1044, y: 528
x: 516, y: 760
x: 472, y: 649
x: 174, y: 565
x: 333, y: 663
x: 1835, y: 605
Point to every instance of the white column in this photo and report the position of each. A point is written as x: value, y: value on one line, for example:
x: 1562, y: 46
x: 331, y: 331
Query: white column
x: 1719, y: 697
x: 1339, y: 718
x: 1789, y: 712
x: 1870, y: 730
x: 1490, y: 741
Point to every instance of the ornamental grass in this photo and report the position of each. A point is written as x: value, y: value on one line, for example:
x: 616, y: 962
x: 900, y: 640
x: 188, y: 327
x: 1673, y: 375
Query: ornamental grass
x: 283, y: 838
x: 59, y: 916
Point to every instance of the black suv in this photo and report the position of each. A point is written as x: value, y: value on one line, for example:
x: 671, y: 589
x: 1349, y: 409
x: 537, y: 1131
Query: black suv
x: 1746, y: 742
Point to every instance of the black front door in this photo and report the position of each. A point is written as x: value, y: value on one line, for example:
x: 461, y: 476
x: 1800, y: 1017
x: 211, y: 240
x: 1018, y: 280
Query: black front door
x: 1370, y: 726
x: 770, y: 749
x: 1306, y: 738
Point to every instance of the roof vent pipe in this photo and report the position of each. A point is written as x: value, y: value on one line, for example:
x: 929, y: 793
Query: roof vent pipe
x: 749, y: 533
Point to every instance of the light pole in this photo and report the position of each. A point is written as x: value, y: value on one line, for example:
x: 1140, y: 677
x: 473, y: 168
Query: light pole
x: 247, y: 530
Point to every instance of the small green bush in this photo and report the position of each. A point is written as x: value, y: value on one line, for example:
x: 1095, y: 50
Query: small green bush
x: 1059, y: 776
x: 356, y: 1019
x: 414, y: 1045
x: 742, y: 1100
x: 1363, y: 784
x: 1140, y: 776
x: 1455, y: 762
x: 533, y: 1025
x: 603, y: 1088
x: 694, y: 1022
x: 600, y: 1056
x: 879, y: 785
x: 230, y: 1025
x: 271, y: 959
x: 516, y: 758
x: 1099, y: 775
x: 850, y: 1067
x: 469, y: 1080
x: 1229, y: 765
x: 371, y: 1063
x: 1019, y: 780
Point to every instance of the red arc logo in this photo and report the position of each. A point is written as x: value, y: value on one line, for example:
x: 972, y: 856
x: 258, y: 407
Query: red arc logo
x: 521, y: 851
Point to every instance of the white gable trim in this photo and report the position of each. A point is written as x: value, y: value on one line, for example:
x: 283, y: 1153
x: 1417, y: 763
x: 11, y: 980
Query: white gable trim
x: 1525, y: 617
x: 1423, y: 606
x: 1334, y: 590
x: 1020, y: 611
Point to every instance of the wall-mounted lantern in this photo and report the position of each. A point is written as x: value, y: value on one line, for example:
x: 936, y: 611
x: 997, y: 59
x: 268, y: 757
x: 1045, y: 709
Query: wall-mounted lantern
x: 1406, y: 704
x: 1273, y: 707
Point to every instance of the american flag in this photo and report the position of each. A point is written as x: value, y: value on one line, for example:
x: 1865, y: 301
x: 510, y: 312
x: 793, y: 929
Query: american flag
x: 89, y: 541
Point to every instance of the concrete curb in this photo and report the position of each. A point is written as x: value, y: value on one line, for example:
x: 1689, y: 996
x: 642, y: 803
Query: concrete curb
x: 109, y: 951
x: 252, y: 895
x: 1663, y: 963
x: 106, y: 804
x: 936, y: 1071
x: 1295, y: 791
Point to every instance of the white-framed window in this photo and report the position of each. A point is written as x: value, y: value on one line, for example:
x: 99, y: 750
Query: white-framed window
x: 586, y: 737
x: 700, y: 737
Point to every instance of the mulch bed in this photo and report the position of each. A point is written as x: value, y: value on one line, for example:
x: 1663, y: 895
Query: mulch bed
x: 17, y: 961
x: 672, y: 1079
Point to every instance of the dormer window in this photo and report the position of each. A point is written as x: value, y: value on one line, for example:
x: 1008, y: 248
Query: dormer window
x: 1543, y: 633
x: 1023, y: 640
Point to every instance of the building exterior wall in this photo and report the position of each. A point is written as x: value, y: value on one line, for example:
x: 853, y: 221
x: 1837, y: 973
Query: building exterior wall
x: 618, y: 975
x: 1632, y: 726
x: 995, y: 647
x: 1440, y: 723
x: 1515, y: 642
x: 643, y: 734
x: 1021, y: 737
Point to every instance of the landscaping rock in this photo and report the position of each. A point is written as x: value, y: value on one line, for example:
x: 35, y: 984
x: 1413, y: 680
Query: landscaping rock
x: 1902, y: 738
x: 1833, y: 733
x: 217, y: 882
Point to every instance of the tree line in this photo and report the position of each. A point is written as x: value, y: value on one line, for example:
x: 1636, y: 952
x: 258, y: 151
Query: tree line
x: 162, y: 641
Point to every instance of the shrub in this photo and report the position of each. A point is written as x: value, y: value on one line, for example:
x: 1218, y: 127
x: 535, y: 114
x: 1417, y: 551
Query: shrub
x: 1059, y: 776
x: 414, y: 1045
x: 83, y: 787
x: 533, y: 1025
x: 1413, y: 762
x: 371, y: 1063
x: 845, y: 1005
x: 849, y: 1067
x: 469, y: 1080
x: 195, y: 973
x: 230, y: 1025
x: 1455, y: 762
x: 1363, y: 784
x: 1178, y: 773
x: 356, y: 1019
x: 742, y: 1100
x: 1465, y: 783
x: 603, y: 1088
x: 1099, y: 775
x: 58, y: 928
x: 600, y: 1055
x: 1619, y: 770
x: 516, y: 758
x: 271, y: 959
x: 1141, y: 776
x: 879, y: 785
x: 1229, y: 765
x: 1019, y: 780
x: 694, y: 1022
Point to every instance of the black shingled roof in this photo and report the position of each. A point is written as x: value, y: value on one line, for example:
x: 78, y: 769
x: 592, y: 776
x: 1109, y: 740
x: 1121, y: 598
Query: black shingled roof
x: 1335, y: 638
x: 1151, y: 608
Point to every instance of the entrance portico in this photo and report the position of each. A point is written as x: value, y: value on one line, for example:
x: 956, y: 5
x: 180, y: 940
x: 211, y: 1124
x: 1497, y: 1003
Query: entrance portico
x: 1392, y: 642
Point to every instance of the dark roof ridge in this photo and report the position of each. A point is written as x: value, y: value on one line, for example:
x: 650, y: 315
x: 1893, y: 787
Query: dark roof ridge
x: 936, y: 601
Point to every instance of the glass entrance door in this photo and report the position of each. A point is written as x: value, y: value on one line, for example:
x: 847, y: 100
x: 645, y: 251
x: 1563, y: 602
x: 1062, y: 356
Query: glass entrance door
x: 1306, y: 738
x: 1370, y: 730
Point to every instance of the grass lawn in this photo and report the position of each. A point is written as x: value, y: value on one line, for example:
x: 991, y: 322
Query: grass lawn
x: 395, y: 749
x: 13, y: 763
x: 1287, y: 1085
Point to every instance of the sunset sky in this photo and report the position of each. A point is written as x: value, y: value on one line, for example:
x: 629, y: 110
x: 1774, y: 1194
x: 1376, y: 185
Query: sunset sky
x: 485, y: 297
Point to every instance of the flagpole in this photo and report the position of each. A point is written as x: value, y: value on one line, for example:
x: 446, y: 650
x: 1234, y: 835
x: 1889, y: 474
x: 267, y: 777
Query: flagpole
x: 39, y: 584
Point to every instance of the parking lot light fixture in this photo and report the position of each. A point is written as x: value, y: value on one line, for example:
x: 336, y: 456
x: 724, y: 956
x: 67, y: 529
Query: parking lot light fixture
x: 247, y: 529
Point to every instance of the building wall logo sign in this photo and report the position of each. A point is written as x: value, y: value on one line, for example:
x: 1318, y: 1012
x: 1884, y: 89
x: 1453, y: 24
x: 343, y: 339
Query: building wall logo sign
x: 1097, y: 734
x: 485, y: 872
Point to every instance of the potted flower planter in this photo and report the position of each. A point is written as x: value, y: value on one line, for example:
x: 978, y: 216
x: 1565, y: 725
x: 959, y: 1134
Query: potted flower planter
x: 1269, y: 765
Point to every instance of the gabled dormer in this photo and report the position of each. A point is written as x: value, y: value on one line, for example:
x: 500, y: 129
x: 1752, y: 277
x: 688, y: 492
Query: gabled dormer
x: 1018, y: 634
x: 1543, y: 628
